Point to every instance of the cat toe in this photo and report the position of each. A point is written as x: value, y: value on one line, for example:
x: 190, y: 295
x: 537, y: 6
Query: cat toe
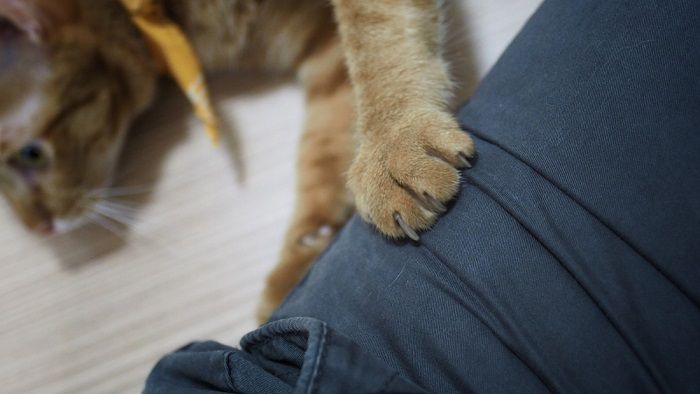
x: 402, y: 184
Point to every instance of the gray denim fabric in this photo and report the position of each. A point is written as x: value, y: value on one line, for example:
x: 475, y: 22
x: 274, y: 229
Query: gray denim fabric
x: 570, y: 261
x: 297, y: 355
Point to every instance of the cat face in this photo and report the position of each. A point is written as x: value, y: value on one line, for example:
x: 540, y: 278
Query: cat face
x: 67, y: 100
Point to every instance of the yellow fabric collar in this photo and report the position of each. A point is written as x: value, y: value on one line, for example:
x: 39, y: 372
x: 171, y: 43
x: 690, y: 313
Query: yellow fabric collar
x: 175, y: 53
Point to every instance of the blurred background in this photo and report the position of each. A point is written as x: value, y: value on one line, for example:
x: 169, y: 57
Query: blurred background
x: 93, y: 310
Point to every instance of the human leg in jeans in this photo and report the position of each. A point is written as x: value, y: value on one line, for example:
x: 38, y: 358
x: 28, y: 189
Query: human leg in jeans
x: 569, y: 263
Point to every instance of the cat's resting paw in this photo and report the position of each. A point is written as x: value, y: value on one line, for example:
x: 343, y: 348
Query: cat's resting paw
x: 307, y: 238
x: 404, y: 175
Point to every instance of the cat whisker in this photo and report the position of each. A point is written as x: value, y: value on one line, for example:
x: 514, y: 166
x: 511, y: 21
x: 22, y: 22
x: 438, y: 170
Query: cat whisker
x: 126, y: 223
x: 107, y: 224
x: 124, y: 191
x: 117, y: 227
x: 116, y: 215
x: 105, y: 192
x: 119, y: 205
x: 62, y: 193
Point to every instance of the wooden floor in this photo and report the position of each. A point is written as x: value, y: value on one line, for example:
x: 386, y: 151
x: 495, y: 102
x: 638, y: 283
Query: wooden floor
x: 92, y: 311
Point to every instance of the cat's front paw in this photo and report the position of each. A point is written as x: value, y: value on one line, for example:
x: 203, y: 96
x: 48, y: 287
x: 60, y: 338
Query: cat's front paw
x: 404, y: 173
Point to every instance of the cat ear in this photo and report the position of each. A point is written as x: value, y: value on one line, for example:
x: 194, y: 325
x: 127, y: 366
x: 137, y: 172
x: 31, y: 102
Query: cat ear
x: 38, y: 19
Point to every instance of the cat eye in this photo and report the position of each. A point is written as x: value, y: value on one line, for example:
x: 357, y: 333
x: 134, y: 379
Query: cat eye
x: 32, y: 156
x: 7, y: 29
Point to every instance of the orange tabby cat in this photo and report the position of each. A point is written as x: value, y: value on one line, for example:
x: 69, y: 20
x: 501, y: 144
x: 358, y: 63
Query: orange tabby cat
x: 75, y: 73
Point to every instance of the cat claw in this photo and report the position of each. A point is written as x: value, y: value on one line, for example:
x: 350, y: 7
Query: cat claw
x: 410, y: 233
x: 463, y: 160
x: 433, y: 204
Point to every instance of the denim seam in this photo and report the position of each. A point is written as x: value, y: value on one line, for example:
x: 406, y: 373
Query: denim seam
x: 271, y: 331
x: 258, y: 345
x: 383, y: 387
x: 545, y: 382
x: 255, y: 346
x: 316, y: 374
x: 229, y: 372
x: 622, y: 238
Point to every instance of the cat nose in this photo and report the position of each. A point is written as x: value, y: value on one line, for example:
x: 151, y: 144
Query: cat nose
x: 44, y: 227
x: 42, y: 220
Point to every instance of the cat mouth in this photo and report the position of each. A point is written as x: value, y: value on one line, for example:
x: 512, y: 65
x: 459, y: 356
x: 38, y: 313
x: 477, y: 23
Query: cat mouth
x: 49, y: 225
x: 67, y: 225
x: 44, y: 223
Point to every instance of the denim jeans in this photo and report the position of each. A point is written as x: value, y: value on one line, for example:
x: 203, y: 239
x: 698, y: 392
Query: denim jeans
x: 569, y: 263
